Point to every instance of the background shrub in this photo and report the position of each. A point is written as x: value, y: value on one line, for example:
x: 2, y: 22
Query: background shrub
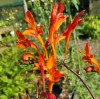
x: 90, y: 28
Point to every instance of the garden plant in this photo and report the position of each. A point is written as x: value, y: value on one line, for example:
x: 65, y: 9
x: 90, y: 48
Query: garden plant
x: 44, y: 56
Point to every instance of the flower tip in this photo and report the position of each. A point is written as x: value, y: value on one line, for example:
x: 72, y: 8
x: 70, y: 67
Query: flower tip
x: 81, y: 13
x: 83, y: 10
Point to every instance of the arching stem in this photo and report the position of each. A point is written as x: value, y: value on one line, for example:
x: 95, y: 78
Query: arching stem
x: 76, y: 74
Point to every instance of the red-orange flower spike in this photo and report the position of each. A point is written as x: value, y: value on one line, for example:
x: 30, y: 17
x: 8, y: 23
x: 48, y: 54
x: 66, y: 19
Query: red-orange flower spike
x: 91, y: 60
x: 57, y: 18
x: 88, y: 56
x: 34, y: 30
x: 66, y: 34
x: 55, y: 22
x: 70, y: 28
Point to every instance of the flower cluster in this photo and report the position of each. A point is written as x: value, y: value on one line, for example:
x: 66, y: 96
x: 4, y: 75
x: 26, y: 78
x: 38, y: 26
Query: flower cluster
x: 46, y: 61
x: 89, y: 58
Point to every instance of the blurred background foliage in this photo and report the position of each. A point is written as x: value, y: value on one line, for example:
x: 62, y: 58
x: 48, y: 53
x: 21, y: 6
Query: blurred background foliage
x: 15, y: 77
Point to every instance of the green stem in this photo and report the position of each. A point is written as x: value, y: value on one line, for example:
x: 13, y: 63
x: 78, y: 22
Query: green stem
x: 75, y: 42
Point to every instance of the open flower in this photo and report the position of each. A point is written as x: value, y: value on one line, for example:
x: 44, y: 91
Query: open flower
x: 66, y: 34
x: 24, y: 43
x: 91, y: 60
x: 53, y: 76
x: 49, y: 66
x: 56, y: 20
x: 87, y: 56
x: 34, y: 30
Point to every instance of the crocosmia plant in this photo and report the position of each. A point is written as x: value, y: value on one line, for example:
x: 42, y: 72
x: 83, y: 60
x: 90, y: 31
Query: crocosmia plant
x: 45, y: 60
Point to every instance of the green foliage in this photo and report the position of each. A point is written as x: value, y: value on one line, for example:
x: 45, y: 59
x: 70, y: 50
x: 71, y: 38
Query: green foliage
x: 74, y: 3
x: 91, y: 27
x: 13, y: 76
x: 4, y: 23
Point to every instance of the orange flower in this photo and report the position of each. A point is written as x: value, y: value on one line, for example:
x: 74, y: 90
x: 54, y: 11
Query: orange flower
x: 48, y: 64
x: 34, y: 30
x: 25, y: 43
x: 22, y: 42
x: 66, y: 34
x: 51, y: 63
x: 91, y: 60
x: 87, y: 56
x: 95, y: 68
x: 53, y: 76
x: 56, y: 21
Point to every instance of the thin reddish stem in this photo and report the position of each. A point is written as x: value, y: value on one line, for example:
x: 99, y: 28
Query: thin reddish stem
x: 76, y: 74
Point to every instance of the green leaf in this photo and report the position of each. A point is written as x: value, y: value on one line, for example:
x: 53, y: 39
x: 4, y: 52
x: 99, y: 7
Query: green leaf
x: 75, y: 3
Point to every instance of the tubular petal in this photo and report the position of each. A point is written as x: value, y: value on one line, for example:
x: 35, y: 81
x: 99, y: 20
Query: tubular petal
x: 51, y: 62
x: 87, y: 48
x: 30, y: 32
